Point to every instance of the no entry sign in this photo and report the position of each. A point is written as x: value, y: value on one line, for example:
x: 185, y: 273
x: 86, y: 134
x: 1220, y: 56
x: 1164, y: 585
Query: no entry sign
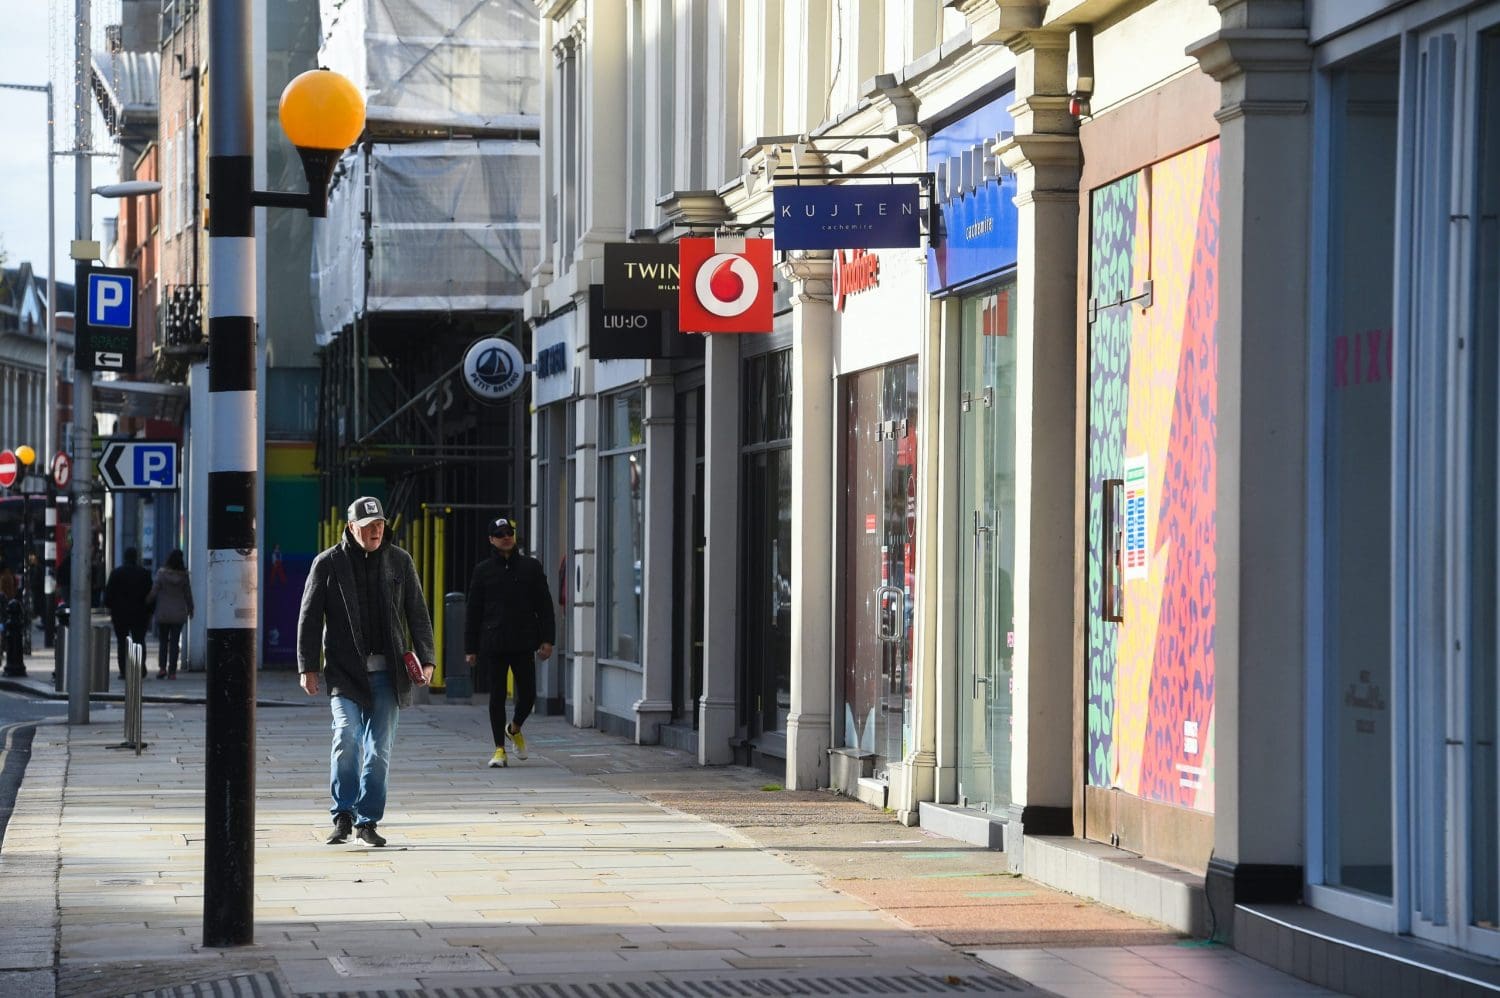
x: 9, y: 467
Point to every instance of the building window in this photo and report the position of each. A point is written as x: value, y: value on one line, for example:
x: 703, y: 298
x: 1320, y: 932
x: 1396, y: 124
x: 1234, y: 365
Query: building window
x: 1357, y: 480
x: 766, y: 541
x: 622, y: 500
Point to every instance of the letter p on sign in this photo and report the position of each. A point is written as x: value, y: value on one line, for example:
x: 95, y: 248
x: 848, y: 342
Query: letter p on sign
x: 110, y: 300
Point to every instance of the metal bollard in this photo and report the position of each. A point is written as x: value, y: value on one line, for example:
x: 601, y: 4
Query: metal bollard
x: 134, y: 690
x: 457, y: 674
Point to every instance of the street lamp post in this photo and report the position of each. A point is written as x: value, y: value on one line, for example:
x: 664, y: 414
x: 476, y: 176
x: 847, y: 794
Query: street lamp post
x: 322, y: 113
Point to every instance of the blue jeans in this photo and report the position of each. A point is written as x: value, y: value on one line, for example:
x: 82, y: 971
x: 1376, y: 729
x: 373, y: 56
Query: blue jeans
x: 361, y: 756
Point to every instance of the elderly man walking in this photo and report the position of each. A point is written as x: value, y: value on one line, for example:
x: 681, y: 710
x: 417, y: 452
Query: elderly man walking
x: 363, y: 606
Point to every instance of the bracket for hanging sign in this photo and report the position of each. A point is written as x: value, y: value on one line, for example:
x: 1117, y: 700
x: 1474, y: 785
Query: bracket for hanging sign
x: 1144, y: 296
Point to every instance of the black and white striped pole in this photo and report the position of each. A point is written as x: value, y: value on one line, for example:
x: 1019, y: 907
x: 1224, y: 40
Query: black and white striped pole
x: 321, y: 126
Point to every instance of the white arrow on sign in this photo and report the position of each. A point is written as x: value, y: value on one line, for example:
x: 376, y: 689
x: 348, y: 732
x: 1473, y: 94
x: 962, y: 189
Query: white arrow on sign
x: 139, y: 464
x: 104, y: 358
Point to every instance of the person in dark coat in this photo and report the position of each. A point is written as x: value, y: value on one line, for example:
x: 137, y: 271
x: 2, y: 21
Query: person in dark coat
x: 508, y: 624
x: 362, y: 608
x: 171, y: 600
x: 125, y: 594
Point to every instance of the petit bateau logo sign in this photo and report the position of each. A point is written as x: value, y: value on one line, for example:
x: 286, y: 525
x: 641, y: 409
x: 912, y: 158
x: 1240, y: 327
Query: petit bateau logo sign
x: 854, y: 272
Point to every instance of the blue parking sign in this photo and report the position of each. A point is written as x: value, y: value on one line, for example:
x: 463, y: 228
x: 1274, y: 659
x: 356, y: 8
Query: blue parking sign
x: 104, y: 328
x: 111, y: 300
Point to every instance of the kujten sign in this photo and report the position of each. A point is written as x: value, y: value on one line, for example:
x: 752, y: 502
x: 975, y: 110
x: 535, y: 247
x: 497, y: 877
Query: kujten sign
x: 818, y: 217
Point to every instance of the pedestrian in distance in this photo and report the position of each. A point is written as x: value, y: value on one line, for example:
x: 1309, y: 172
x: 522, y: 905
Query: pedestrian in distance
x: 508, y: 624
x: 362, y: 609
x: 125, y: 594
x: 10, y: 585
x: 171, y: 597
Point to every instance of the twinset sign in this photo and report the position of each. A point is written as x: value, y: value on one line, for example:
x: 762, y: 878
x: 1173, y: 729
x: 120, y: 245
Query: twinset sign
x: 853, y: 271
x: 819, y: 217
x: 641, y: 276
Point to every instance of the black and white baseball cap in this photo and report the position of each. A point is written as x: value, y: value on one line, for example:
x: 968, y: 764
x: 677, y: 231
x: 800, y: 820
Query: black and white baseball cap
x: 365, y: 510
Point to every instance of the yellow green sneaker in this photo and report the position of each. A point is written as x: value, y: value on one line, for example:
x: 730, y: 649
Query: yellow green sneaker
x: 497, y: 761
x: 517, y: 742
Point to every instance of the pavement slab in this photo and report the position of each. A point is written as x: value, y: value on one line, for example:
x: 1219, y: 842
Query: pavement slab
x: 593, y: 860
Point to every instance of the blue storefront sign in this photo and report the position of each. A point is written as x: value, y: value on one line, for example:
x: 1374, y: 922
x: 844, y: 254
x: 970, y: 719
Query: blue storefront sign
x: 976, y: 232
x: 847, y: 216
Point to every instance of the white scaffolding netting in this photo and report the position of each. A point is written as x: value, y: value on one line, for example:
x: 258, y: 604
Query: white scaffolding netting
x: 454, y: 226
x: 445, y: 63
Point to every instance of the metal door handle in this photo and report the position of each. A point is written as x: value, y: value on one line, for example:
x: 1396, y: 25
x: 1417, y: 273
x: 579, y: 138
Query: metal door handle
x: 1111, y: 539
x: 893, y: 632
x: 980, y: 530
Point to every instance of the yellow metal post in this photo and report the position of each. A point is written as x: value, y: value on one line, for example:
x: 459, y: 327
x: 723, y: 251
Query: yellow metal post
x: 416, y: 544
x: 440, y: 549
x: 427, y: 554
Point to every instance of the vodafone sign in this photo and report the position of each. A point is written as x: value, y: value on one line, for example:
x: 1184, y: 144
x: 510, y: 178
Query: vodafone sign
x: 853, y: 271
x: 725, y: 286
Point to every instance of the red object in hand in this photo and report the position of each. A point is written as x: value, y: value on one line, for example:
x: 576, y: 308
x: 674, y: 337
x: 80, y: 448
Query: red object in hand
x: 414, y: 668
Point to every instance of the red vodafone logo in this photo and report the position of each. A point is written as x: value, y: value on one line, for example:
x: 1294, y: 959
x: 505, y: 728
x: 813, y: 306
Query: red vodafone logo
x: 856, y: 271
x: 723, y: 288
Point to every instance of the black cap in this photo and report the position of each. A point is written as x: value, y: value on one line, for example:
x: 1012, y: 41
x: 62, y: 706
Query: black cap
x: 502, y: 526
x: 365, y: 510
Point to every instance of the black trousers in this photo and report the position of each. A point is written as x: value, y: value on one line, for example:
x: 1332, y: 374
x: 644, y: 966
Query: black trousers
x: 522, y: 665
x: 170, y: 638
x: 126, y: 633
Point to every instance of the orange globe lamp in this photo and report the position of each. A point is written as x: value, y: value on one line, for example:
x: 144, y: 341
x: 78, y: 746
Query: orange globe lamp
x: 25, y: 455
x: 322, y: 114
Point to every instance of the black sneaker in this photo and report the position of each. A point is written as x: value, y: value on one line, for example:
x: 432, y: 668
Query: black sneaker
x: 343, y: 824
x: 368, y: 835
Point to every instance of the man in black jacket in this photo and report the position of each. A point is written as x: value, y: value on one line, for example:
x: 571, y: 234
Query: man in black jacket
x: 508, y: 620
x: 363, y: 605
x: 125, y: 595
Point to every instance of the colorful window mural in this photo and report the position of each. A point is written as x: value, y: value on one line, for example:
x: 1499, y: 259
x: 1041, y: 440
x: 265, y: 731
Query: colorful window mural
x: 1153, y: 407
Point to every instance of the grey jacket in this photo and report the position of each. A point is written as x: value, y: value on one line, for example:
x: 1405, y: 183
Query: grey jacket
x: 330, y: 622
x: 171, y: 596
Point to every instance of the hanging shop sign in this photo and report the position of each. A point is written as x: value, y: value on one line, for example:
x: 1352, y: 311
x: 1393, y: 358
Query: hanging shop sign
x: 828, y: 216
x: 640, y: 276
x: 631, y: 334
x: 975, y: 235
x: 493, y: 369
x: 726, y: 285
x: 853, y: 271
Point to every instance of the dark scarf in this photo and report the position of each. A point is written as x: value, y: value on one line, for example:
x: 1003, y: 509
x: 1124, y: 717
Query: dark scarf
x: 369, y: 591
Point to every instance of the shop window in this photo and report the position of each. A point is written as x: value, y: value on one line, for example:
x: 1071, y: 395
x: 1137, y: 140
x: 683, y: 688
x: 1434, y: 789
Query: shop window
x: 766, y: 541
x: 1359, y: 356
x: 622, y: 499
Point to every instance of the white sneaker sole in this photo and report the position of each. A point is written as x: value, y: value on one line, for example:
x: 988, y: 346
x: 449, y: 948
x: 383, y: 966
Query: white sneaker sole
x: 498, y: 765
x: 515, y: 750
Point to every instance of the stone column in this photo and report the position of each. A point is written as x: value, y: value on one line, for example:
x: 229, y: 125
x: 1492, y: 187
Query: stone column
x: 809, y: 726
x: 717, y: 721
x: 1044, y: 154
x: 1262, y: 61
x: 655, y: 706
